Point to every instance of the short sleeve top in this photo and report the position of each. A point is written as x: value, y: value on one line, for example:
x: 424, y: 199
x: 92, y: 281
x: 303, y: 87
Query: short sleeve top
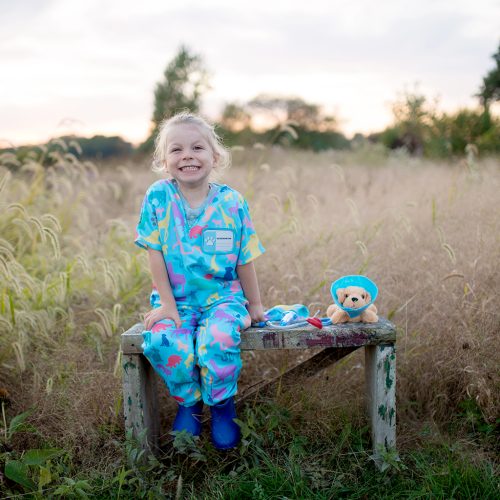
x: 201, y: 258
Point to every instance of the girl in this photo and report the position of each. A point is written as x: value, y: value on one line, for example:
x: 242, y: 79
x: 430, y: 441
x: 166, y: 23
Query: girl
x: 201, y: 245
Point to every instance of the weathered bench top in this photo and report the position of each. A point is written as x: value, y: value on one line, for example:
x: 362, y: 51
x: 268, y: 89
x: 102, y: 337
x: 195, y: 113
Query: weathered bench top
x: 343, y: 335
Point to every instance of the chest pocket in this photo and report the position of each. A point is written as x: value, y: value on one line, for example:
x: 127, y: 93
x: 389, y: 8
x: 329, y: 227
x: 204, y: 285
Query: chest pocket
x: 218, y: 241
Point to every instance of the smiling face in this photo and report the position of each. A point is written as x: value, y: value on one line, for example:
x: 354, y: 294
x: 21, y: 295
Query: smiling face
x: 190, y: 157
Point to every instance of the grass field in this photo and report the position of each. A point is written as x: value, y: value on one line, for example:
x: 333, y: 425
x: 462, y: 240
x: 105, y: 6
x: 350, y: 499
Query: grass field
x: 71, y: 281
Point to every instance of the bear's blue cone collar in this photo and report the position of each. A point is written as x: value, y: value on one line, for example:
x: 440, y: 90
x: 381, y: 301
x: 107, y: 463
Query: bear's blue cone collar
x: 354, y: 280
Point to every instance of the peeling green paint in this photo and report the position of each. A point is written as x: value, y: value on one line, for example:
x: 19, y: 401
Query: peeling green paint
x: 387, y: 368
x: 129, y: 401
x: 382, y: 411
x: 129, y: 364
x: 392, y: 414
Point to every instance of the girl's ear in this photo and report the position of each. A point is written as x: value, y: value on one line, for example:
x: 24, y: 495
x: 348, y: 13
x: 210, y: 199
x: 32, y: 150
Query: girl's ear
x: 216, y: 158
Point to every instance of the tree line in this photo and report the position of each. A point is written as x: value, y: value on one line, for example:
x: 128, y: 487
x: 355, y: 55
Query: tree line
x: 418, y: 126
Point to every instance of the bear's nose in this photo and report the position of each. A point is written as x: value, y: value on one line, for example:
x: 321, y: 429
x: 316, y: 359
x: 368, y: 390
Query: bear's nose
x: 354, y: 299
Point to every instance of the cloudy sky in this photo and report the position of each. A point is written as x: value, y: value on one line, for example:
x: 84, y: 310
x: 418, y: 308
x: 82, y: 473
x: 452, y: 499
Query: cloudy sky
x: 90, y: 66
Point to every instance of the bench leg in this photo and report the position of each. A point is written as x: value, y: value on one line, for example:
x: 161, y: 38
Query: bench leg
x: 380, y: 372
x: 140, y: 407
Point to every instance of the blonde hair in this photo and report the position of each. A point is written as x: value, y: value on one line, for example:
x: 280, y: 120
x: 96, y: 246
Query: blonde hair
x: 208, y: 130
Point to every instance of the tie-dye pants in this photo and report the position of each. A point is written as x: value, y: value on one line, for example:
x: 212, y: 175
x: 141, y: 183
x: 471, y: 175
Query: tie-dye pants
x: 200, y: 360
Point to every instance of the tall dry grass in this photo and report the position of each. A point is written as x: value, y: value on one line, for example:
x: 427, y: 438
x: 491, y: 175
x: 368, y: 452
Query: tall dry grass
x: 427, y: 233
x: 68, y: 285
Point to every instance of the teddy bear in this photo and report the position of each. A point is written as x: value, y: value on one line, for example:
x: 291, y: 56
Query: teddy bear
x: 352, y: 297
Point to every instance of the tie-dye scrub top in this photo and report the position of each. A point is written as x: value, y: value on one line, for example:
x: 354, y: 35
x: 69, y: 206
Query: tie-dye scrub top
x: 201, y: 257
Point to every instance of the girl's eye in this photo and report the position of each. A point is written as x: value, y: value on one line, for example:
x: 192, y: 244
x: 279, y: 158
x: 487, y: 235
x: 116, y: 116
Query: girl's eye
x: 198, y: 147
x: 174, y: 150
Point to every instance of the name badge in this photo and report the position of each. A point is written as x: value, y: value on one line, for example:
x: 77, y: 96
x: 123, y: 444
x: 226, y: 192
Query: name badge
x: 218, y: 240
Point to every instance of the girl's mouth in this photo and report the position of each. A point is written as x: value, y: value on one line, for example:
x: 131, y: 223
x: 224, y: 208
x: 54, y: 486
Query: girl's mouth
x: 189, y: 168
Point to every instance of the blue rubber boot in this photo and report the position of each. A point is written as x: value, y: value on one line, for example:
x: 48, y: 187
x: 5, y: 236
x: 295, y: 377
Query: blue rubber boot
x: 226, y: 432
x: 188, y: 418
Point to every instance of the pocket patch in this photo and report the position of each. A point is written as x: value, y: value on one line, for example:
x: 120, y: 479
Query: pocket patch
x: 218, y: 240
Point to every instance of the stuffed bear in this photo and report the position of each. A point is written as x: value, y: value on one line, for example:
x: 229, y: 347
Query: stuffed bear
x: 353, y: 297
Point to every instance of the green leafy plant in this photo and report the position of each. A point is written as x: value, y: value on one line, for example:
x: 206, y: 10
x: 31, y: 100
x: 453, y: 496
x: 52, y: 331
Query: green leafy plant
x: 74, y: 488
x: 16, y: 424
x: 31, y: 469
x: 186, y: 444
x: 388, y: 459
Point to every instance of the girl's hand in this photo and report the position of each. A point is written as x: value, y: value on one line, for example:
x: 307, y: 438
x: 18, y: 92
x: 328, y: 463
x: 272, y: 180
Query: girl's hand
x: 159, y: 313
x: 256, y: 312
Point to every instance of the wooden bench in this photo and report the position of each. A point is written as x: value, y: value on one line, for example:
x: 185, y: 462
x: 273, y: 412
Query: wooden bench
x: 378, y: 339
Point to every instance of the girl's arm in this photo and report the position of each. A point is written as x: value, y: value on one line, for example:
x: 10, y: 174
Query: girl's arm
x: 168, y: 308
x: 248, y: 278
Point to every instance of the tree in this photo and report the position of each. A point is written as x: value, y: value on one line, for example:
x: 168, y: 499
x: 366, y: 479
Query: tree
x: 288, y: 109
x: 490, y: 89
x: 234, y: 117
x: 184, y: 81
x: 412, y: 120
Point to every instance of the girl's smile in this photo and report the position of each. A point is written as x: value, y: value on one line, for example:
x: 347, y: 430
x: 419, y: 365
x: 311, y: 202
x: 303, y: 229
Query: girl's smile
x: 190, y: 168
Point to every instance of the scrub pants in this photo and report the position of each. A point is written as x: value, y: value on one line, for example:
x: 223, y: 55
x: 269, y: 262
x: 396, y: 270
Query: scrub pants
x: 200, y: 360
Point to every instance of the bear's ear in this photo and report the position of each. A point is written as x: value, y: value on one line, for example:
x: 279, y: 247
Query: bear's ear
x: 341, y: 295
x: 368, y: 297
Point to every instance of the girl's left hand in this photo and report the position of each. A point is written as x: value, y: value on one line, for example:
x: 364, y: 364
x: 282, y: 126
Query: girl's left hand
x: 162, y: 312
x: 256, y: 312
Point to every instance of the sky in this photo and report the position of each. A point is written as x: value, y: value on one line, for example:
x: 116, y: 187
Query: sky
x: 90, y: 67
